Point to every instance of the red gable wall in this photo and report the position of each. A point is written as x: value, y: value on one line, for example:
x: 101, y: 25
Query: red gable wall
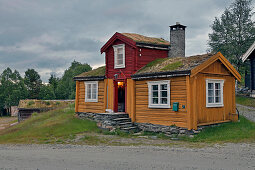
x: 130, y: 60
x: 135, y: 58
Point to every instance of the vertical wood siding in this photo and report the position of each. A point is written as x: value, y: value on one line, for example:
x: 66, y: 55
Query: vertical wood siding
x: 162, y: 116
x: 95, y: 107
x: 208, y: 115
x: 131, y: 99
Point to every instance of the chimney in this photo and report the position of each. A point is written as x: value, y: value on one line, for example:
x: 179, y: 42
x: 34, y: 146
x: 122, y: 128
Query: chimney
x: 177, y: 40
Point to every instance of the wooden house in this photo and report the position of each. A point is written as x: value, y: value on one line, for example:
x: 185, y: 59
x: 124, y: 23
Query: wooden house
x: 139, y: 79
x: 250, y: 55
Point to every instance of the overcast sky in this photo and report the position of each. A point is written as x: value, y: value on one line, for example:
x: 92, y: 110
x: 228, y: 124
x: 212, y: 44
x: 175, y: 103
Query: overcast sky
x: 48, y: 35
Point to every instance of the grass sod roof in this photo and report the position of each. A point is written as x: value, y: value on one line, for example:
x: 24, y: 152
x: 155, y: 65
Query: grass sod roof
x: 100, y: 71
x: 148, y: 40
x: 174, y: 64
x: 35, y: 104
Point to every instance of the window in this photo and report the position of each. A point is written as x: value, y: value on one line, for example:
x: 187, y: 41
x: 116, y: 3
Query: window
x: 119, y: 56
x: 159, y: 94
x: 91, y: 91
x: 214, y: 93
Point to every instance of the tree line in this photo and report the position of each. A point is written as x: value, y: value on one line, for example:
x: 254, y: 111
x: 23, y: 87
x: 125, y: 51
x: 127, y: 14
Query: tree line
x: 14, y: 87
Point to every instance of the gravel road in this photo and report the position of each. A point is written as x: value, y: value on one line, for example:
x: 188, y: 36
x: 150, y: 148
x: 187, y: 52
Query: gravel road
x: 229, y: 156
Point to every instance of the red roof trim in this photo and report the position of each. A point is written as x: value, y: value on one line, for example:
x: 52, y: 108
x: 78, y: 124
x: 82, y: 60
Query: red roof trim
x: 120, y: 37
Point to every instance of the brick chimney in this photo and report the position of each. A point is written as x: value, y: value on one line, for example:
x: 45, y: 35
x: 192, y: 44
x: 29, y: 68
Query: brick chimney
x: 177, y: 40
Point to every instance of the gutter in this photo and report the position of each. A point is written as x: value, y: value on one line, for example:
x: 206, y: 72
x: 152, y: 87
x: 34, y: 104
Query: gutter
x: 160, y: 74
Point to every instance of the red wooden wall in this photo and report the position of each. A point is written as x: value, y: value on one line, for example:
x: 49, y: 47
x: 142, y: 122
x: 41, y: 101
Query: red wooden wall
x: 135, y: 58
x: 147, y: 55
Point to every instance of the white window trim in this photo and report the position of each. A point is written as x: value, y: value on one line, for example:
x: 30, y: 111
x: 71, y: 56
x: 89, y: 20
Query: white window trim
x: 115, y: 49
x: 150, y: 104
x: 86, y: 85
x: 221, y: 81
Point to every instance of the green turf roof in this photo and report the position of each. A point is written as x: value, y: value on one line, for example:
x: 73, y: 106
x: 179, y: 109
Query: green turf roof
x: 174, y: 64
x: 100, y: 71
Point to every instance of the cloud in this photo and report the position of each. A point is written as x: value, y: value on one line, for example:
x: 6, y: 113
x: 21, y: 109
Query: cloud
x: 48, y: 35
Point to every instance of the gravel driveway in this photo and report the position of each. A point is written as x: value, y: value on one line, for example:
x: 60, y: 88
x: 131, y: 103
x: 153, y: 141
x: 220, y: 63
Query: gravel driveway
x: 229, y: 156
x: 246, y: 111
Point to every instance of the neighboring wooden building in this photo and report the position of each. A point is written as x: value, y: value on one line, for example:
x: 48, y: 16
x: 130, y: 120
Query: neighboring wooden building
x: 141, y: 80
x: 250, y: 55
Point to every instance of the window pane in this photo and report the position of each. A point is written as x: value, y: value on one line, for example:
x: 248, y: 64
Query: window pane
x: 94, y: 91
x: 154, y: 87
x: 155, y: 94
x: 89, y: 91
x: 163, y: 87
x: 155, y: 100
x: 210, y: 85
x: 210, y: 93
x: 210, y: 100
x: 120, y: 59
x: 120, y: 50
x: 217, y: 85
x: 163, y: 93
x: 217, y: 93
x: 217, y: 99
x: 163, y: 101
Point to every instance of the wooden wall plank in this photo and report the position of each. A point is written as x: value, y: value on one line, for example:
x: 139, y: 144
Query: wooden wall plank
x: 159, y: 115
x: 77, y: 96
x: 94, y: 107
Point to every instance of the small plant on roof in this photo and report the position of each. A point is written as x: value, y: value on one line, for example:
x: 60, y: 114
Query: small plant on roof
x: 172, y: 66
x: 30, y: 103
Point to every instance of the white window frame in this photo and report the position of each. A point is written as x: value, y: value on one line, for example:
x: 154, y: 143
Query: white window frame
x: 150, y: 103
x: 86, y: 91
x: 115, y: 48
x: 214, y: 104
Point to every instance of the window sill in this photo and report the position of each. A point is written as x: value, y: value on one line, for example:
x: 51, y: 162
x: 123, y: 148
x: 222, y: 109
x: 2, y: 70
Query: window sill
x: 116, y: 67
x: 159, y: 107
x: 215, y: 105
x: 91, y: 101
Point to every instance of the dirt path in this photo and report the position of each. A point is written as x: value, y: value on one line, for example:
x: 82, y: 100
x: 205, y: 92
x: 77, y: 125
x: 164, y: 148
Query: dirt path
x: 246, y: 111
x: 6, y: 122
x: 229, y: 156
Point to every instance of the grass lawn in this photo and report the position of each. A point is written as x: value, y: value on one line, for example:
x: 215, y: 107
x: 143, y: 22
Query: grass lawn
x: 62, y: 126
x: 247, y: 101
x: 243, y: 131
x: 50, y: 127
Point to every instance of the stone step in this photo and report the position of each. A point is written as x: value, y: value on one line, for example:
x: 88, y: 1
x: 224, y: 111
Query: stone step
x: 122, y: 120
x: 125, y: 124
x: 129, y: 128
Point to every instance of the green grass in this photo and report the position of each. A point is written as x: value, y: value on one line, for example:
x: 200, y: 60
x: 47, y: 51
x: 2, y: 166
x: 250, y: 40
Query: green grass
x: 172, y: 66
x: 49, y: 127
x: 247, y: 101
x: 243, y: 131
x: 153, y: 63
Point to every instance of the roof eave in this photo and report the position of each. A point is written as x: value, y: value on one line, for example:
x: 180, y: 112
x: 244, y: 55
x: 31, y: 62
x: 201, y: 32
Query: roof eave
x: 89, y: 78
x: 248, y: 52
x: 160, y: 74
x: 154, y: 46
x: 120, y: 37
